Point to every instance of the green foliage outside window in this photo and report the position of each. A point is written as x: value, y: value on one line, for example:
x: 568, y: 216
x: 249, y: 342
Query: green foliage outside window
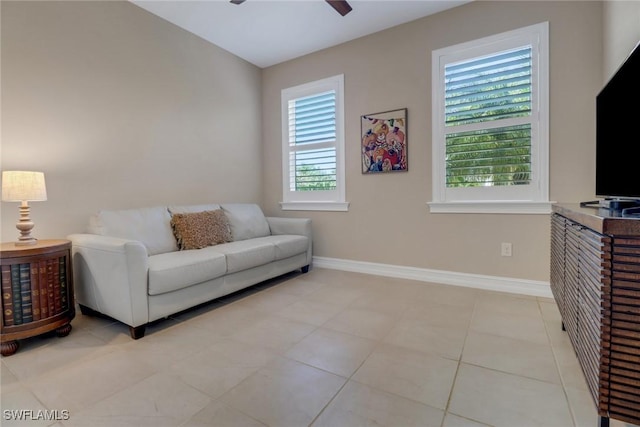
x: 313, y: 178
x: 490, y: 157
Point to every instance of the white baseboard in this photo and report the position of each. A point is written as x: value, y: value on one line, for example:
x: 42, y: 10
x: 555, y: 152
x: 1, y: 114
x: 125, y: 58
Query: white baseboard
x: 491, y: 283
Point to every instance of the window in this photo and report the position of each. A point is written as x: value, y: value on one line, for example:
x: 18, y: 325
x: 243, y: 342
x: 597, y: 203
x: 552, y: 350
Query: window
x: 490, y: 124
x: 313, y: 146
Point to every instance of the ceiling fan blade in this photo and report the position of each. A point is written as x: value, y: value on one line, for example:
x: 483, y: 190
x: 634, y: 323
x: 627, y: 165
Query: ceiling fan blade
x: 340, y: 5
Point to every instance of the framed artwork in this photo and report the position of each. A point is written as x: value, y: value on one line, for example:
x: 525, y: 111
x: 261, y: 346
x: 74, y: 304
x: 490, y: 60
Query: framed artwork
x: 384, y: 141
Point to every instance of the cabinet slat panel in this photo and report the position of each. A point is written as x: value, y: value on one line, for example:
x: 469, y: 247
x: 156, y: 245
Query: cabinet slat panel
x: 622, y: 417
x: 595, y: 279
x: 589, y: 361
x: 625, y: 329
x: 625, y: 365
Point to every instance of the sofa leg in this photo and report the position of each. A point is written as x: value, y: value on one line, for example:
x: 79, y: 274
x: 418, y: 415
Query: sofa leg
x: 305, y: 269
x: 87, y: 311
x: 137, y: 332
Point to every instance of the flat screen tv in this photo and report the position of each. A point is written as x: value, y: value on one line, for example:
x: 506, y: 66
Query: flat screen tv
x: 618, y: 132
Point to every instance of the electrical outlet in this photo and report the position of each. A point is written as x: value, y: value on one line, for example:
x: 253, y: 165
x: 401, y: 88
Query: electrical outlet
x: 506, y: 249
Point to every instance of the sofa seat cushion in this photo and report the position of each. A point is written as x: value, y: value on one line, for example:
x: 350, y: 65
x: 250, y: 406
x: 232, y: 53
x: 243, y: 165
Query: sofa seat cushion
x: 246, y: 254
x: 176, y: 270
x: 287, y: 245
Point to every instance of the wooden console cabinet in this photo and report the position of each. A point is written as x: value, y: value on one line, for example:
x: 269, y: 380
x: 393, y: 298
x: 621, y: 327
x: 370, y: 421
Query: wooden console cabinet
x: 37, y: 291
x: 595, y: 280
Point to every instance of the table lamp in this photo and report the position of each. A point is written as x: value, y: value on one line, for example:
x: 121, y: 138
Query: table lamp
x: 24, y: 187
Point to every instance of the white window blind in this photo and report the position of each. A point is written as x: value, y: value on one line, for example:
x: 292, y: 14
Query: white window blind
x: 313, y: 146
x: 487, y: 92
x: 490, y: 124
x: 312, y: 137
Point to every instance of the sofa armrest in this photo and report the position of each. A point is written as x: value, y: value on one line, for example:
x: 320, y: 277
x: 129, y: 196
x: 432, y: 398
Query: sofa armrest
x: 110, y: 276
x: 299, y: 226
x: 295, y: 226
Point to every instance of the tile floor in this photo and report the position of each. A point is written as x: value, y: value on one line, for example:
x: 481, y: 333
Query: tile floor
x: 327, y: 348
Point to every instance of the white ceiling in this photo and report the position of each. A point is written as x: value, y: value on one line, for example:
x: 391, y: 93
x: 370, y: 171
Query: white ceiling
x: 267, y: 32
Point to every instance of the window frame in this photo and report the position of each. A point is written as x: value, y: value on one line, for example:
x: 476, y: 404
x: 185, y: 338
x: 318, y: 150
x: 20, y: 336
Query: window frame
x: 324, y: 200
x: 528, y: 199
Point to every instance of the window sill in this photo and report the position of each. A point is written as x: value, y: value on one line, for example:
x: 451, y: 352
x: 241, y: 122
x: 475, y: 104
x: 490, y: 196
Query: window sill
x: 315, y: 206
x: 491, y: 207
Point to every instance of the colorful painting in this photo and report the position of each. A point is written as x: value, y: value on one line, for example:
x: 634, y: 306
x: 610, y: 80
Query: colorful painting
x: 384, y: 141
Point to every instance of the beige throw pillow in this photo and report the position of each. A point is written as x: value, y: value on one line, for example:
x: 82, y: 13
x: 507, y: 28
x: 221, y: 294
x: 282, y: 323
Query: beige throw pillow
x: 200, y: 229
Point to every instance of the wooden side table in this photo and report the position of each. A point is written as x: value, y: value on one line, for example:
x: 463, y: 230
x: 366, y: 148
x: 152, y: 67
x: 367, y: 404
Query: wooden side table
x: 37, y: 291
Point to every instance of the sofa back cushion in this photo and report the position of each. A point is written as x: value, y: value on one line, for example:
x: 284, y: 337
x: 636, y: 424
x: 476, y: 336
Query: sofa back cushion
x: 174, y: 209
x: 246, y: 220
x: 151, y: 226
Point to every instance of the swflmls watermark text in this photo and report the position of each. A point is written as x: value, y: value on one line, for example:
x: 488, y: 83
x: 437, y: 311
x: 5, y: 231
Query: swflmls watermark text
x: 39, y: 415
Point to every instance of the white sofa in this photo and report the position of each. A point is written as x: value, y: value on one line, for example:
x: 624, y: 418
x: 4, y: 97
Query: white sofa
x: 128, y: 265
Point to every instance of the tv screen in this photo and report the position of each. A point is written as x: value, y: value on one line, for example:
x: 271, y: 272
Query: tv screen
x: 618, y: 132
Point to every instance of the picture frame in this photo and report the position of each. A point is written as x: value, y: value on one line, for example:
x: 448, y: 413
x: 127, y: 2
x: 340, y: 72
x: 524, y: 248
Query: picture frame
x: 384, y: 142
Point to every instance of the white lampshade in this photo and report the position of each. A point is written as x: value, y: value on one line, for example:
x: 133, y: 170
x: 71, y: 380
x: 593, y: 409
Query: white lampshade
x: 19, y: 186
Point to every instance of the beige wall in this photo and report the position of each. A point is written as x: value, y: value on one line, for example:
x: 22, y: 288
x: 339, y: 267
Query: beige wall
x: 621, y: 33
x: 121, y: 109
x: 388, y: 220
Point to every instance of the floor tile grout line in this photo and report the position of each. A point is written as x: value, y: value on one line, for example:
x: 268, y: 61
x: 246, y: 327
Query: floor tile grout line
x: 373, y: 349
x: 378, y: 342
x: 329, y: 402
x: 219, y: 398
x: 464, y: 343
x: 557, y: 365
x: 547, y: 326
x: 283, y: 355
